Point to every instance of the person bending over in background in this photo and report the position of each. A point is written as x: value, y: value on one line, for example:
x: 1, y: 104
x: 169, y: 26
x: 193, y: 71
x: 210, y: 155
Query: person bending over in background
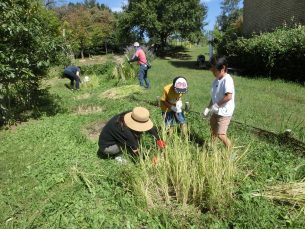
x: 142, y: 61
x: 172, y: 94
x: 123, y: 131
x: 73, y: 73
x: 222, y: 105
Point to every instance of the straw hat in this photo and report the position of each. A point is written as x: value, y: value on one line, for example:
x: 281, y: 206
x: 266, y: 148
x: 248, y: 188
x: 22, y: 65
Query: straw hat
x: 138, y: 119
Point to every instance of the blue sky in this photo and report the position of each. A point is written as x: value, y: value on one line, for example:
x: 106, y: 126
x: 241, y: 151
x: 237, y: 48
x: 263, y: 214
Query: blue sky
x: 213, y: 8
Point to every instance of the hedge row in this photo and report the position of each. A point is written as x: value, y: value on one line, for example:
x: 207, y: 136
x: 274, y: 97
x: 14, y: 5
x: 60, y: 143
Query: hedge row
x: 279, y: 54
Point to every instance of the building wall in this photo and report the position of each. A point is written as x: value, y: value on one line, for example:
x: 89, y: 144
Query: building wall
x: 266, y: 15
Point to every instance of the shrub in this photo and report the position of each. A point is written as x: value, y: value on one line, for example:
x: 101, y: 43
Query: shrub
x: 30, y: 43
x: 98, y: 69
x: 278, y: 54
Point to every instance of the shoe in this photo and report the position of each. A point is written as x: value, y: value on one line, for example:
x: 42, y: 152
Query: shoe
x: 120, y: 160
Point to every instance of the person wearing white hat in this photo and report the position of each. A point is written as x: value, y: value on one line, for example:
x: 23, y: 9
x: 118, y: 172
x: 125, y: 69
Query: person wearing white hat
x: 171, y: 102
x: 140, y: 56
x: 123, y: 131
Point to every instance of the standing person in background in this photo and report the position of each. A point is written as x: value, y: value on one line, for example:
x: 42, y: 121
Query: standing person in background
x: 222, y: 103
x: 140, y: 56
x: 171, y: 111
x: 73, y: 73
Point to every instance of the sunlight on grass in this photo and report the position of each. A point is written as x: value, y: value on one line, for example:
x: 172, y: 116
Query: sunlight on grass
x: 121, y: 92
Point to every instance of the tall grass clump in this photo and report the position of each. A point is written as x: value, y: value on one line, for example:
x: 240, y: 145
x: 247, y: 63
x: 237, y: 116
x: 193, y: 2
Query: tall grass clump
x: 93, y: 81
x: 185, y: 175
x: 124, y: 71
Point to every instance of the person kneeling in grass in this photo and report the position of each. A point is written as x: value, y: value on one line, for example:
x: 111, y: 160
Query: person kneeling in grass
x: 123, y: 131
x: 222, y: 105
x: 171, y: 97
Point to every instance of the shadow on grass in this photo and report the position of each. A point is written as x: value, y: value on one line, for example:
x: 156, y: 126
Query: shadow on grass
x: 192, y: 64
x: 42, y: 103
x: 176, y: 52
x: 283, y: 139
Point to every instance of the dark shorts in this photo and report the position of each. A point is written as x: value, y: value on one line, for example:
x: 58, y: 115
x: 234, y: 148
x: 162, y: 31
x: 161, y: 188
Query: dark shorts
x: 170, y: 118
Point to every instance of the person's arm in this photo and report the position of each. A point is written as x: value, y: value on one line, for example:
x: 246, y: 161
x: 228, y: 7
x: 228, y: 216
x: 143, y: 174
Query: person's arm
x: 163, y: 100
x: 132, y: 142
x: 153, y: 131
x: 134, y: 57
x: 226, y: 98
x: 229, y: 88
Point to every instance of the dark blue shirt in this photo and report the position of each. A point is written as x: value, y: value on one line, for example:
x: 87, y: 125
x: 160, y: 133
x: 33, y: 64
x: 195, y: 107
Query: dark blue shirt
x: 73, y: 69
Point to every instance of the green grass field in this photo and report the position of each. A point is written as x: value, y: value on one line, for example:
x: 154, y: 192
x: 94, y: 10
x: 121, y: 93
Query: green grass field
x: 52, y: 178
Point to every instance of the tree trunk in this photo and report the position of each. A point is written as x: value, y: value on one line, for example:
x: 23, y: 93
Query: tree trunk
x: 106, y: 48
x: 82, y: 53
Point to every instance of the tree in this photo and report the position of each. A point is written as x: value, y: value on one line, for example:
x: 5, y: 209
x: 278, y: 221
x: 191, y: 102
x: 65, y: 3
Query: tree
x: 87, y: 28
x: 230, y: 12
x: 158, y: 19
x: 30, y: 43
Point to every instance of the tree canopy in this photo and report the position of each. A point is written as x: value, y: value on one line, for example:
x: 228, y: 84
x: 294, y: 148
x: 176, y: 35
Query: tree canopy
x: 230, y: 12
x: 158, y: 19
x: 30, y: 42
x: 86, y: 26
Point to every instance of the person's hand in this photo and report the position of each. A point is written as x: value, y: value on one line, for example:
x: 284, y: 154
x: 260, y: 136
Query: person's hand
x: 214, y: 108
x: 161, y: 144
x: 174, y: 109
x: 205, y: 112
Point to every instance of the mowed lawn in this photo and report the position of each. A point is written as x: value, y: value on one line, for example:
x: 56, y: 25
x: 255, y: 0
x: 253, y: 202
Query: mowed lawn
x: 52, y: 178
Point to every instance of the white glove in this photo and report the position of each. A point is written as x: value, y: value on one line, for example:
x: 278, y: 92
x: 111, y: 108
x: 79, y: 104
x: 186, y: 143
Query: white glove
x: 179, y: 106
x: 174, y: 109
x: 206, y: 112
x: 215, y: 108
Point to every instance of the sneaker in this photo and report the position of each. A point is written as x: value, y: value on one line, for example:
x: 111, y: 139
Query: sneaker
x: 120, y: 160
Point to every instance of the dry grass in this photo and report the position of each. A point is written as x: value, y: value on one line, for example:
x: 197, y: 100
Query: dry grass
x: 121, y: 92
x: 188, y: 176
x: 293, y: 193
x: 87, y: 109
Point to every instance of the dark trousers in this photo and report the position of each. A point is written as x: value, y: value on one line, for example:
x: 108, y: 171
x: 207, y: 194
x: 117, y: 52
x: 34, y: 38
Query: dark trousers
x: 143, y: 76
x: 73, y: 77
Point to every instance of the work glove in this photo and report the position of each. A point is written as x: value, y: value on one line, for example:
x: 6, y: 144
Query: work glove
x: 174, y: 109
x: 206, y: 112
x: 215, y: 108
x: 161, y: 144
x: 179, y: 106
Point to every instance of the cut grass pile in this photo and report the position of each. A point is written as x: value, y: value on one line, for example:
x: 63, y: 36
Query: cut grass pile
x: 293, y: 193
x: 121, y: 92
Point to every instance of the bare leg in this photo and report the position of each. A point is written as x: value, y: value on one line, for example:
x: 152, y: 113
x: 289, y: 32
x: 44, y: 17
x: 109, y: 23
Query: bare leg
x: 225, y: 140
x: 183, y: 127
